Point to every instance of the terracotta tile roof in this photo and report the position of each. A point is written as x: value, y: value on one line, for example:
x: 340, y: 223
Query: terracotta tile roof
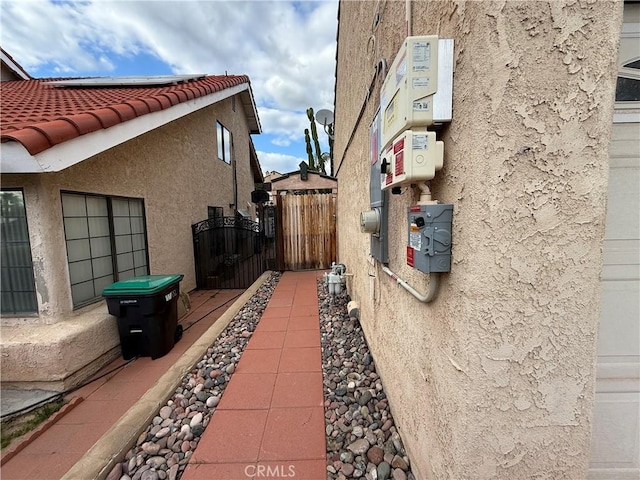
x: 40, y: 116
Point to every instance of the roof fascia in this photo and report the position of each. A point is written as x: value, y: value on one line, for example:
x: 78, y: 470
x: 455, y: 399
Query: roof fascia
x: 14, y: 158
x: 251, y: 111
x: 258, y: 176
x: 13, y: 65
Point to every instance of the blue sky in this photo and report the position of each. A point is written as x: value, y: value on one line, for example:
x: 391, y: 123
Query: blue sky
x: 286, y: 48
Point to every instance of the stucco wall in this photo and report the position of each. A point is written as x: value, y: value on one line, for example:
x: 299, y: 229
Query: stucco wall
x: 175, y: 170
x: 495, y: 378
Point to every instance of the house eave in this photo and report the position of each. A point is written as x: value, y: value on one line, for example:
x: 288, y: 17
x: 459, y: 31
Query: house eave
x: 14, y: 157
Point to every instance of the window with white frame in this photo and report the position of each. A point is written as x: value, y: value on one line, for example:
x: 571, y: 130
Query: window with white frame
x: 106, y: 242
x: 224, y: 143
x: 18, y: 286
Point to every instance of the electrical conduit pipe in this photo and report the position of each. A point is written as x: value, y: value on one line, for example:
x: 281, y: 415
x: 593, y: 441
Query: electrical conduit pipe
x: 434, y: 284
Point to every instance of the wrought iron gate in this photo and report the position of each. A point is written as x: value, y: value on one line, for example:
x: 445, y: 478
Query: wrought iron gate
x: 230, y: 252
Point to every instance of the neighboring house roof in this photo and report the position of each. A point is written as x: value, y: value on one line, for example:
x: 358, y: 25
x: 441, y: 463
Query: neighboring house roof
x: 284, y: 176
x: 37, y: 116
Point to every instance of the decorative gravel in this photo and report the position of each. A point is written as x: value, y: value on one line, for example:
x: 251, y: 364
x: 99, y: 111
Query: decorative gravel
x: 362, y: 440
x: 163, y: 450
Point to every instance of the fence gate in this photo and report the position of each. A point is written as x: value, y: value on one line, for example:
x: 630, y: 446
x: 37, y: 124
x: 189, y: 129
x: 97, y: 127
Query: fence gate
x: 307, y: 230
x: 230, y: 252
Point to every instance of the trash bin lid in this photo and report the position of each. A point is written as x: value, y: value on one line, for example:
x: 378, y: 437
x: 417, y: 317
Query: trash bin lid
x: 142, y: 285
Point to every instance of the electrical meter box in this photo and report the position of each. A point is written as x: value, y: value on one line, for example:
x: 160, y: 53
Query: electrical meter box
x: 413, y: 157
x: 429, y: 243
x: 418, y: 88
x: 375, y: 221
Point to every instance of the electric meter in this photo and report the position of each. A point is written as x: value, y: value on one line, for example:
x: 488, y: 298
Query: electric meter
x: 413, y: 157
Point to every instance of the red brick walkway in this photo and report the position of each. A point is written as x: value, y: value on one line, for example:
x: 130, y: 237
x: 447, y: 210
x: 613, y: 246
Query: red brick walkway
x: 59, y: 447
x: 270, y: 421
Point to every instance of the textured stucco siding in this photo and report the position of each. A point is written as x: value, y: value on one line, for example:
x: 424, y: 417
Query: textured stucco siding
x: 175, y: 170
x: 495, y: 378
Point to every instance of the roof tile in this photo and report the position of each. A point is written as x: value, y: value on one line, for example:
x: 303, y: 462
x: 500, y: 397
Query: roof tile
x: 40, y: 116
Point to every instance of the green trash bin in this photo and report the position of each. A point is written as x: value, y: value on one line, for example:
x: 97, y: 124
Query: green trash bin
x: 146, y: 308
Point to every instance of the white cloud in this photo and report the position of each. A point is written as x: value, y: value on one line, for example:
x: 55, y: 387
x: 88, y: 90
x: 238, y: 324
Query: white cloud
x: 286, y: 48
x: 278, y: 162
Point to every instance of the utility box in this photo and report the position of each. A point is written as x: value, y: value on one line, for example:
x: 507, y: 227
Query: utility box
x: 375, y: 221
x: 429, y: 242
x: 146, y: 309
x: 418, y: 89
x: 413, y: 157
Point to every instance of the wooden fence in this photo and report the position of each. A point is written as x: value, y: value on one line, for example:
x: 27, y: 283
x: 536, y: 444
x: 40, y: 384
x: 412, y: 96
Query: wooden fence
x: 308, y: 230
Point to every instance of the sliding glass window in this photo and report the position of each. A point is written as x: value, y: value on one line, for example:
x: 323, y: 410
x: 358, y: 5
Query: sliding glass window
x: 106, y: 242
x: 18, y: 286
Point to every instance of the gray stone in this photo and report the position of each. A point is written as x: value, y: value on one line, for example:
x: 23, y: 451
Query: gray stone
x: 149, y: 475
x: 165, y: 412
x: 213, y: 401
x: 384, y: 470
x: 365, y: 398
x: 197, y: 431
x: 163, y: 432
x: 359, y: 447
x: 397, y: 442
x: 196, y: 420
x: 173, y: 472
x: 398, y: 474
x: 155, y: 462
x: 150, y: 448
x: 346, y: 457
x: 341, y: 391
x: 347, y: 469
x: 202, y: 396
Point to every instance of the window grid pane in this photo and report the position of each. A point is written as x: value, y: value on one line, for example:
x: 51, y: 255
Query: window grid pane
x: 18, y: 286
x: 119, y: 239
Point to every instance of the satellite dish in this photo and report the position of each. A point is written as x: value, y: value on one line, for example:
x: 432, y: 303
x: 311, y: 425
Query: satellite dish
x: 324, y: 117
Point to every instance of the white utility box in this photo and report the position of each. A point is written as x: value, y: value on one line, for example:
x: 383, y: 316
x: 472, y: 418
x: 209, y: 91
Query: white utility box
x: 417, y: 91
x: 413, y: 157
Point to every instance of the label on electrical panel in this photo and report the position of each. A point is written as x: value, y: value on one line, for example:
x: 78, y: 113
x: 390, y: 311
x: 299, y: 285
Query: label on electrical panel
x: 401, y: 69
x: 420, y: 82
x: 419, y: 142
x: 399, y: 163
x: 390, y: 113
x: 415, y: 239
x: 410, y: 260
x: 421, y: 106
x: 421, y: 56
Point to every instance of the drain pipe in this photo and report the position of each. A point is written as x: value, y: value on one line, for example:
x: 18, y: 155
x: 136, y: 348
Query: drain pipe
x: 434, y: 284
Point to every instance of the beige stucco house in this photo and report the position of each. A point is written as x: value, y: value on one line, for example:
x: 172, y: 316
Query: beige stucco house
x: 102, y: 180
x: 527, y: 362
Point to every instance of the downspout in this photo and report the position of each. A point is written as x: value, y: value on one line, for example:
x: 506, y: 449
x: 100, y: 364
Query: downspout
x: 407, y: 16
x: 434, y: 284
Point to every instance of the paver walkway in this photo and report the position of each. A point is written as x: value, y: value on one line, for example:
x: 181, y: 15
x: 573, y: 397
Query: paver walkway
x: 270, y: 421
x: 58, y: 448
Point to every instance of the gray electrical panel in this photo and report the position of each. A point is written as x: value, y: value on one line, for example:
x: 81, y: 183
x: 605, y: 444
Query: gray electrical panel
x: 429, y: 243
x: 379, y: 199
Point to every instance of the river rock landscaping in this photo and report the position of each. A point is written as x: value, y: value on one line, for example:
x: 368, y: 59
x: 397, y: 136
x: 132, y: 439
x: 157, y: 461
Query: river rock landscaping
x: 362, y: 440
x: 164, y: 448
